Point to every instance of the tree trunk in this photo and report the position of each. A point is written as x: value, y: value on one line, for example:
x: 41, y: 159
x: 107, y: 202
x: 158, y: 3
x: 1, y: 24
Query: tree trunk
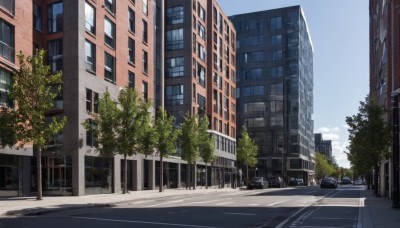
x: 369, y: 181
x: 376, y: 179
x: 39, y: 174
x: 161, y: 173
x: 188, y: 182
x: 125, y: 190
x: 206, y: 178
x: 194, y: 176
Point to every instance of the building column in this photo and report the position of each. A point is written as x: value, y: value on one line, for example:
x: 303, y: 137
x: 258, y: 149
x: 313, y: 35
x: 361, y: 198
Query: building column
x: 117, y: 174
x: 137, y: 174
x: 152, y: 174
x: 78, y: 173
x: 179, y: 182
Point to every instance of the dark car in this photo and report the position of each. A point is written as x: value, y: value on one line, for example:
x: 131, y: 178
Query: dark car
x: 258, y: 182
x: 345, y: 181
x: 329, y: 182
x: 275, y: 182
x: 296, y: 182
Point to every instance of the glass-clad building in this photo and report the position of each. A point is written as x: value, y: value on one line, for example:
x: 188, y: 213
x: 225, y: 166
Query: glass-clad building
x: 275, y: 90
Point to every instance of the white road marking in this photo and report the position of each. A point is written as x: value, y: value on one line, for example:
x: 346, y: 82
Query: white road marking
x: 272, y: 204
x: 143, y: 201
x: 200, y: 202
x: 223, y: 203
x: 227, y: 213
x: 254, y: 204
x: 159, y: 204
x: 144, y: 222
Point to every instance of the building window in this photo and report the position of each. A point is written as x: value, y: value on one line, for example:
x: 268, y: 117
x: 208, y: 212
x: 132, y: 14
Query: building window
x: 91, y: 137
x: 144, y: 36
x: 174, y: 95
x: 109, y: 32
x: 131, y: 50
x: 276, y: 23
x: 174, y: 39
x: 277, y: 55
x: 131, y: 20
x: 6, y: 40
x: 201, y: 101
x: 145, y: 7
x: 202, y: 31
x: 5, y: 83
x: 8, y: 5
x: 175, y: 67
x: 252, y: 91
x: 109, y: 68
x: 145, y: 66
x: 145, y: 91
x: 90, y: 52
x: 175, y: 15
x: 201, y: 72
x: 110, y: 5
x: 90, y: 16
x: 92, y: 99
x: 201, y: 12
x: 37, y: 17
x: 201, y: 52
x: 55, y: 17
x: 276, y: 71
x: 55, y: 54
x: 276, y: 39
x: 131, y: 80
x: 257, y: 56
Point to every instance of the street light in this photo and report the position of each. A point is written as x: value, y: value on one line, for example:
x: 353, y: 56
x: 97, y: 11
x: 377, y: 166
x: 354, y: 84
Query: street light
x: 395, y: 148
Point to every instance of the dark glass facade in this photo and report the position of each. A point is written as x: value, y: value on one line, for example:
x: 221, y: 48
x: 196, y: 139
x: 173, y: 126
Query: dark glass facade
x: 275, y: 90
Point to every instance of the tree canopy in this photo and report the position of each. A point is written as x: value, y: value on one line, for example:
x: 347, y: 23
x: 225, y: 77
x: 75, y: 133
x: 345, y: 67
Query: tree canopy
x: 206, y: 144
x: 246, y: 152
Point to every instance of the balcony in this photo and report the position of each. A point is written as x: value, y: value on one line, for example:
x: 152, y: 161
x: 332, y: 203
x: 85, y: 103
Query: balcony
x: 7, y: 51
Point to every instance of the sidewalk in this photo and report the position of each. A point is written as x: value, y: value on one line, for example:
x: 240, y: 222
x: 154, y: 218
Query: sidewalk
x: 376, y: 212
x: 18, y: 206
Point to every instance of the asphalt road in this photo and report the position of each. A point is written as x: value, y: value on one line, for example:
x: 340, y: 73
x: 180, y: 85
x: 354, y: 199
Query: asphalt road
x: 289, y: 207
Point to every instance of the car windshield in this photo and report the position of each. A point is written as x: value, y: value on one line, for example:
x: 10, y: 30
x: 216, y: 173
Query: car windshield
x: 328, y: 179
x: 256, y: 179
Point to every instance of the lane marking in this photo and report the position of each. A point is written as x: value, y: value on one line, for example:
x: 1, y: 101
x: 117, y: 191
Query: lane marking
x: 272, y: 204
x: 246, y: 214
x: 159, y: 204
x: 143, y: 201
x: 223, y: 203
x: 325, y: 218
x: 254, y: 204
x: 200, y: 202
x: 144, y: 222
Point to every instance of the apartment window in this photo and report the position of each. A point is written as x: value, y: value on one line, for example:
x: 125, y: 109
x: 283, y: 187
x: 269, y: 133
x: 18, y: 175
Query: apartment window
x: 6, y: 40
x: 277, y: 55
x: 90, y: 52
x: 175, y: 15
x: 131, y: 20
x: 110, y: 5
x: 145, y: 91
x: 174, y: 95
x: 252, y: 91
x: 5, y: 83
x: 175, y: 67
x: 201, y: 30
x: 55, y: 54
x: 55, y: 17
x: 145, y: 66
x: 145, y: 7
x: 201, y: 101
x: 131, y: 80
x: 276, y: 121
x: 131, y: 50
x: 276, y: 106
x: 90, y: 16
x: 201, y: 12
x: 201, y: 52
x: 276, y: 71
x: 201, y: 72
x: 144, y: 36
x: 109, y: 68
x: 91, y: 137
x: 276, y: 23
x: 109, y: 32
x: 92, y: 99
x: 252, y: 74
x: 174, y: 39
x: 8, y: 5
x: 37, y: 17
x: 257, y: 56
x: 276, y: 39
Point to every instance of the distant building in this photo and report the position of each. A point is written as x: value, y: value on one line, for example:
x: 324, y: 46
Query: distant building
x: 324, y: 147
x: 275, y: 90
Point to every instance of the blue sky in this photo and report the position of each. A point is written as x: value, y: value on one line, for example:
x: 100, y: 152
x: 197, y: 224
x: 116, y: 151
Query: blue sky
x: 339, y: 31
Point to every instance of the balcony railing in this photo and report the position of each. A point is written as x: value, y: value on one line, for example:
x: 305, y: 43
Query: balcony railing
x: 6, y: 51
x: 8, y: 5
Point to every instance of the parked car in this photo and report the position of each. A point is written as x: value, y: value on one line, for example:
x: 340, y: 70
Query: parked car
x: 276, y: 182
x: 257, y: 182
x: 346, y: 181
x: 296, y: 182
x: 328, y: 182
x: 358, y: 182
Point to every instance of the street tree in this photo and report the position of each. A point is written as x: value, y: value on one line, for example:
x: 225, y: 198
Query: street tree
x: 246, y: 152
x: 166, y: 138
x: 322, y: 166
x: 34, y: 89
x: 206, y: 144
x: 369, y: 137
x: 189, y: 143
x: 7, y: 127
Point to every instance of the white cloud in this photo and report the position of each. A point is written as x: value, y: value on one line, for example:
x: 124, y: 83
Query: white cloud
x: 338, y: 144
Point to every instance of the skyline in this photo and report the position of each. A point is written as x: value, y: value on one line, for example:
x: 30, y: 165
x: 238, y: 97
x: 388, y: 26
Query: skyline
x: 340, y: 37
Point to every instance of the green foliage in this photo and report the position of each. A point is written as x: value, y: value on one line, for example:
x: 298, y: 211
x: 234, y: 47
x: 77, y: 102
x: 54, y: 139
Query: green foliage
x: 322, y: 167
x: 369, y: 137
x: 7, y: 127
x: 246, y: 152
x: 32, y: 91
x: 206, y: 141
x: 189, y: 139
x: 166, y: 136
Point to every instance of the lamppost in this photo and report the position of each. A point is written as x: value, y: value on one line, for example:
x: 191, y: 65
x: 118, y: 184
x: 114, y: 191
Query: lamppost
x: 395, y: 148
